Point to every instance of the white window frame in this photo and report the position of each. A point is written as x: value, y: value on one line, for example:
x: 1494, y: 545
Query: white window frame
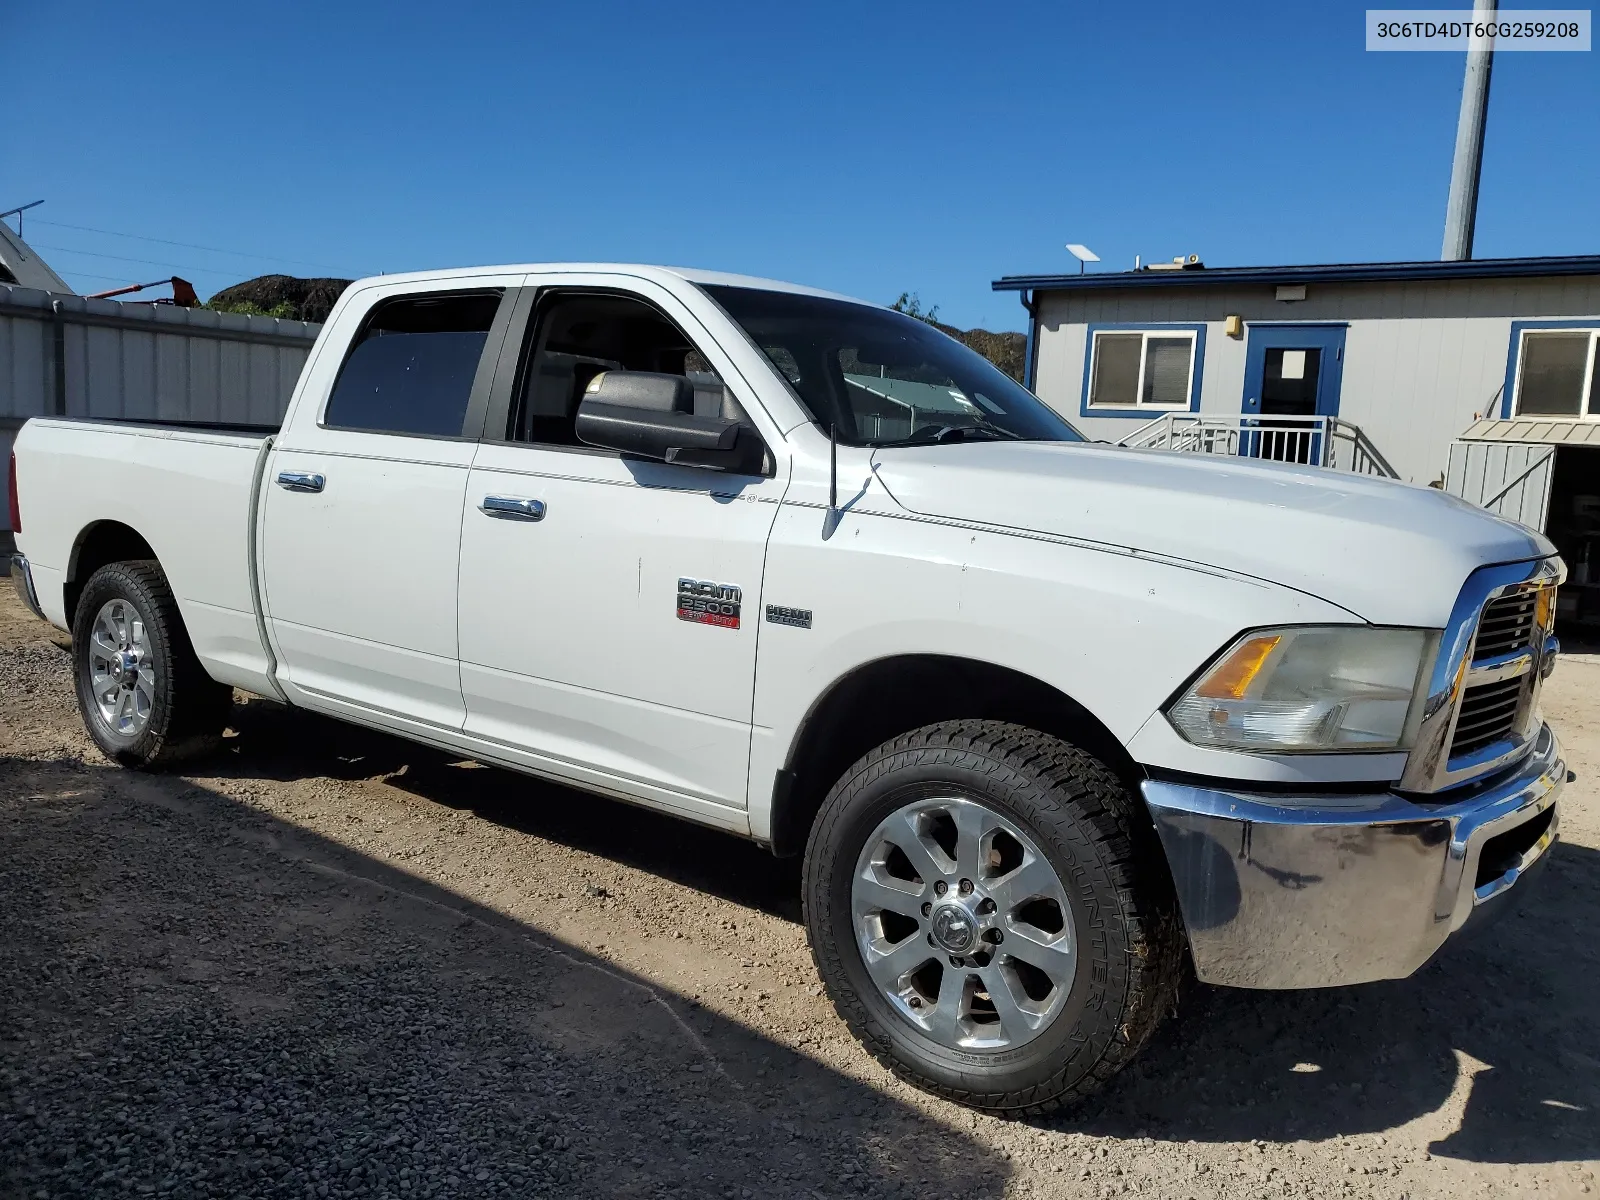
x: 1589, y: 403
x: 1091, y: 405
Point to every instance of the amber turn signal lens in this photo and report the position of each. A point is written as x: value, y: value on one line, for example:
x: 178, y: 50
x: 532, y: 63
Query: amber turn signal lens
x: 1544, y: 607
x: 1231, y: 678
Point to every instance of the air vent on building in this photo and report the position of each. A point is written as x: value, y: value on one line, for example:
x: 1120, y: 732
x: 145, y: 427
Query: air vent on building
x: 1192, y: 263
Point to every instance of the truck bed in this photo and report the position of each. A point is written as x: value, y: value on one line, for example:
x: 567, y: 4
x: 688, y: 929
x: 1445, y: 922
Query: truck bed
x: 188, y: 488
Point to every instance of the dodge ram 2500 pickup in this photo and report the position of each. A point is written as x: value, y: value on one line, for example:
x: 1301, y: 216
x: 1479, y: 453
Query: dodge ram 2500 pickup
x: 1050, y: 721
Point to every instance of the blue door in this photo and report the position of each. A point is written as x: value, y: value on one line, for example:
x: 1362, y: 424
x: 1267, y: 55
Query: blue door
x: 1291, y: 372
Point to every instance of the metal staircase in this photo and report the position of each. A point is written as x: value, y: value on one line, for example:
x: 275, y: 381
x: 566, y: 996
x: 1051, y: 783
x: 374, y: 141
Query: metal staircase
x: 1316, y: 441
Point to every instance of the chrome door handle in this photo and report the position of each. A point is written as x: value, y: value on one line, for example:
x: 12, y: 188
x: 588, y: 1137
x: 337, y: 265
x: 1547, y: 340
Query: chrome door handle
x: 300, y: 481
x: 512, y: 508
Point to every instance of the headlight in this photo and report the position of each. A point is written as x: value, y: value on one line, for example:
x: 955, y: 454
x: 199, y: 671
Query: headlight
x: 1310, y: 689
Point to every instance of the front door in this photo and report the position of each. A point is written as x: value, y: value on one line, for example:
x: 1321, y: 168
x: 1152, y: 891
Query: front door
x: 1292, y: 374
x: 610, y: 606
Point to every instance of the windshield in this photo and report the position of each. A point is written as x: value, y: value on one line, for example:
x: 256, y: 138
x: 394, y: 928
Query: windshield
x: 884, y: 378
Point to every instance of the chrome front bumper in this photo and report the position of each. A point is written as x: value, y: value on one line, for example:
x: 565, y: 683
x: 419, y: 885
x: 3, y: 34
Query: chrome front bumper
x: 22, y: 580
x: 1321, y: 891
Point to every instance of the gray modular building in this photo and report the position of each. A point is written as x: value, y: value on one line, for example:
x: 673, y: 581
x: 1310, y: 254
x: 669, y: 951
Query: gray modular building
x: 66, y: 355
x: 1480, y: 376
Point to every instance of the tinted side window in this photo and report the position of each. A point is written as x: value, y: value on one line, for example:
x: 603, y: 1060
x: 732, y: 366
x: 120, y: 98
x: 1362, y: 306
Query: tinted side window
x: 578, y: 335
x: 412, y: 367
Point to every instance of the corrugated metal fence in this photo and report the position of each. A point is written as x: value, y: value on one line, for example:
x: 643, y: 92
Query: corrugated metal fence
x: 69, y: 356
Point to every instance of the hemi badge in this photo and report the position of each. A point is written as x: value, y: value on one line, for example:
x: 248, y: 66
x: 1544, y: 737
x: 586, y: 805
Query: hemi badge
x: 707, y: 603
x: 800, y: 618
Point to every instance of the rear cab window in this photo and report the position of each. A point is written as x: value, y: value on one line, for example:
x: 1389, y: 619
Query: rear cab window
x: 411, y: 368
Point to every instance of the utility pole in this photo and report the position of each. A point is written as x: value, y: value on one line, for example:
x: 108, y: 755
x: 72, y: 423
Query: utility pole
x: 1461, y: 214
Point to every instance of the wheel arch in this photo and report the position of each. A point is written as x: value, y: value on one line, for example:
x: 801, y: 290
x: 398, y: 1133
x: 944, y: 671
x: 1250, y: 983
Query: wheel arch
x: 890, y: 696
x: 97, y: 545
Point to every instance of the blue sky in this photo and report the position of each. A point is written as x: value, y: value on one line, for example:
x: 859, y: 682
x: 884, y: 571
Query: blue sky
x: 868, y: 148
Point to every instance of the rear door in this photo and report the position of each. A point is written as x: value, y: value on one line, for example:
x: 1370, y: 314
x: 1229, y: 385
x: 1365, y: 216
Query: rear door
x: 610, y: 606
x: 362, y: 511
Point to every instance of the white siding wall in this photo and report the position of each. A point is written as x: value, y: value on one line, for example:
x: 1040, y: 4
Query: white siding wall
x: 1421, y: 360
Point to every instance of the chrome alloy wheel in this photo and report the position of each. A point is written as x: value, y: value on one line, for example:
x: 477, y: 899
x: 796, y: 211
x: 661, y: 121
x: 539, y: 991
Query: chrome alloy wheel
x: 963, y: 925
x: 121, y: 675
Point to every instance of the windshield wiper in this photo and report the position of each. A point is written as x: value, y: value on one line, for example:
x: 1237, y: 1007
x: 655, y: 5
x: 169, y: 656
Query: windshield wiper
x: 956, y: 433
x: 962, y: 432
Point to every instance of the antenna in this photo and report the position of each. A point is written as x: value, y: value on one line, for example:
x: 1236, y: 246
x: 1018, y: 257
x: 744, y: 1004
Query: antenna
x: 831, y: 521
x: 833, y: 469
x: 1082, y: 253
x: 18, y: 211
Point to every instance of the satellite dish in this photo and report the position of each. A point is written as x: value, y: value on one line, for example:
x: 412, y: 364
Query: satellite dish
x: 1082, y: 253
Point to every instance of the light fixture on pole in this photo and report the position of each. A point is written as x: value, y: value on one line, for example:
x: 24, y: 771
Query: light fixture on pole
x: 1083, y: 254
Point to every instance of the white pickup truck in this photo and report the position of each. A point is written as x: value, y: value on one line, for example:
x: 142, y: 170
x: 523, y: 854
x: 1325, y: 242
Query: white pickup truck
x: 1050, y: 721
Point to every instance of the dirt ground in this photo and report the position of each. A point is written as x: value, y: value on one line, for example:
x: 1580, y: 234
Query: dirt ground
x: 325, y: 962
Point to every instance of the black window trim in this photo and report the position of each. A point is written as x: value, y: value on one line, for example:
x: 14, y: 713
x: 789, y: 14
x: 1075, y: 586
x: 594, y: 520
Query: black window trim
x: 477, y: 397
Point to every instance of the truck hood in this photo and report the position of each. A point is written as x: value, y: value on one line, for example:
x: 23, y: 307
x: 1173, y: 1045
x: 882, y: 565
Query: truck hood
x: 1390, y: 553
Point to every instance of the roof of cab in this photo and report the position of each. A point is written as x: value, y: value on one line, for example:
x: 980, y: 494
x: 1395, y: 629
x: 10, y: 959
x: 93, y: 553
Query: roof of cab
x: 658, y: 274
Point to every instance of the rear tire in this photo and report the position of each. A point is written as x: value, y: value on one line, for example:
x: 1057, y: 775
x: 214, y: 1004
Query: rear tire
x: 146, y: 700
x: 1068, y: 949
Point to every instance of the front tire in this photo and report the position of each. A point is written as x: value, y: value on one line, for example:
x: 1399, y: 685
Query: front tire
x: 146, y: 700
x: 990, y: 916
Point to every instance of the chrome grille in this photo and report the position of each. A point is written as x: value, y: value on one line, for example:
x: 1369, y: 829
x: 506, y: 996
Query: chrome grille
x: 1488, y: 713
x: 1507, y: 625
x: 1493, y: 708
x: 1482, y: 703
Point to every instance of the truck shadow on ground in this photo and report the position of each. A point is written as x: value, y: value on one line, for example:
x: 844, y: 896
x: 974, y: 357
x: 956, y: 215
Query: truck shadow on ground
x: 1494, y: 1027
x: 199, y: 999
x: 279, y: 743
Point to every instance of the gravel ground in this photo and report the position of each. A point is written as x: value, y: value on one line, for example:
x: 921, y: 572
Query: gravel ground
x: 329, y: 963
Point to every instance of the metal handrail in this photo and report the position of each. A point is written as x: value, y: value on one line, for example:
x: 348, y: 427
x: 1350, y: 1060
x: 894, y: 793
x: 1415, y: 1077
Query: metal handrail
x: 1376, y: 463
x: 1316, y: 440
x: 1154, y: 431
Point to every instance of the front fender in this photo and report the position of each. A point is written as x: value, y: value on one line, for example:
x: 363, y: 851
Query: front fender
x: 1116, y: 632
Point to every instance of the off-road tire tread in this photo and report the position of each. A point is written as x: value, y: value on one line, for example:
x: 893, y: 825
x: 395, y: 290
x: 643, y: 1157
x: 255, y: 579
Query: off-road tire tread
x: 1056, y: 776
x: 192, y: 709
